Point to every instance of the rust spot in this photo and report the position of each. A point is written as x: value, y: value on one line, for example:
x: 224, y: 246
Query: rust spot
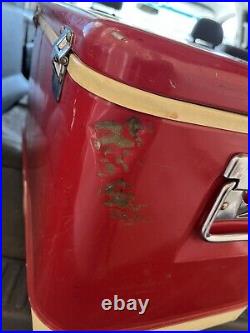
x: 118, y: 147
x: 110, y: 168
x: 134, y: 126
x: 118, y: 143
x: 120, y: 199
x: 113, y: 135
x: 118, y: 194
x: 121, y: 161
x: 126, y: 216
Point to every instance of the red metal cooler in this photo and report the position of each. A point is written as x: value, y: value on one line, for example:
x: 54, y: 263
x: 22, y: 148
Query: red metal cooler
x: 135, y: 174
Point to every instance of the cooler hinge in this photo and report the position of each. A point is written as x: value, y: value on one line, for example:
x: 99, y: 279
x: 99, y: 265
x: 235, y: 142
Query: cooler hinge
x: 37, y: 12
x: 60, y: 60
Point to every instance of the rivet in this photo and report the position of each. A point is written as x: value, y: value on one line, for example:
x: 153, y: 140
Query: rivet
x: 68, y: 36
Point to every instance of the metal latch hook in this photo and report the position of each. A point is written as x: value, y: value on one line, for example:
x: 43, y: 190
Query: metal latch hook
x: 60, y: 60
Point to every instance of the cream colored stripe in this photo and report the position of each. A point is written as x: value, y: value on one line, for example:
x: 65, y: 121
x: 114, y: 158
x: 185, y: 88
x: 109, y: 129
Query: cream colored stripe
x: 145, y: 102
x: 205, y: 322
x: 37, y: 324
x: 49, y: 32
x: 192, y: 325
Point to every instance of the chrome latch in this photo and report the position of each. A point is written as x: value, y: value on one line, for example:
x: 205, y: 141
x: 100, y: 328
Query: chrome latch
x: 60, y: 60
x: 231, y: 203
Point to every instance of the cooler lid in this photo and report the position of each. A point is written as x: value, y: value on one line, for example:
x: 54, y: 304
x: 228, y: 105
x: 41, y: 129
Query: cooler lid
x: 151, y: 62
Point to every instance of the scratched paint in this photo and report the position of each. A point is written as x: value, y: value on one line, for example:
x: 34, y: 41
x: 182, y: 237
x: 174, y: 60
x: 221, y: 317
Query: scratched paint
x: 118, y: 146
x: 120, y: 198
x: 112, y: 134
x: 118, y: 194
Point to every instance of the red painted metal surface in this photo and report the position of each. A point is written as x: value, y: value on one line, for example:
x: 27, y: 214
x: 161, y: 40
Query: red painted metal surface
x: 115, y: 199
x: 154, y: 63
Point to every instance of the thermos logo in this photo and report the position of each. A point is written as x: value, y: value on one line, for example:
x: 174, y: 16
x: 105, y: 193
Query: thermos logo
x: 120, y: 304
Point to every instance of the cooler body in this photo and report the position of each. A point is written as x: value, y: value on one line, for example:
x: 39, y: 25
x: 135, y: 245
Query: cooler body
x: 121, y: 172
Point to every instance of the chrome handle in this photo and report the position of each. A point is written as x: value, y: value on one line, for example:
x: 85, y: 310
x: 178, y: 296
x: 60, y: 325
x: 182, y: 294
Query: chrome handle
x: 229, y: 204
